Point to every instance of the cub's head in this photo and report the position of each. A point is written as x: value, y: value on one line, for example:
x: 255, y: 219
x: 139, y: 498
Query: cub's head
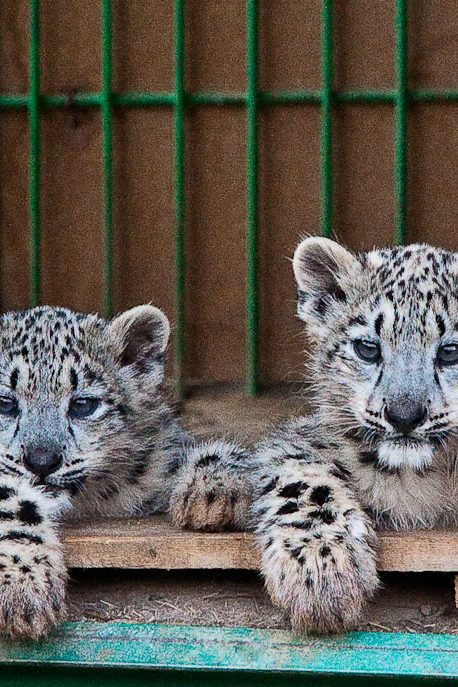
x: 384, y: 329
x: 80, y: 396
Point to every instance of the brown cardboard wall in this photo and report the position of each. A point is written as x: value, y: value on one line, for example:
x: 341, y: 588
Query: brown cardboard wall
x: 215, y: 164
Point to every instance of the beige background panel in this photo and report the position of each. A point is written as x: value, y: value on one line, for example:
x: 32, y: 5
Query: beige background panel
x: 215, y: 41
x: 70, y: 45
x: 364, y: 44
x: 142, y: 45
x: 433, y: 54
x: 71, y: 209
x: 144, y: 216
x: 289, y: 209
x: 215, y: 246
x: 14, y: 257
x: 289, y: 44
x: 363, y: 175
x: 433, y: 194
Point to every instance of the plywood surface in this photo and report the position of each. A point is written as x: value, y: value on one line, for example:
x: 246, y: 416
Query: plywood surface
x: 153, y: 543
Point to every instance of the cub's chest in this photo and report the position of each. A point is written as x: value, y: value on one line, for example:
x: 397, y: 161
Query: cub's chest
x: 405, y: 499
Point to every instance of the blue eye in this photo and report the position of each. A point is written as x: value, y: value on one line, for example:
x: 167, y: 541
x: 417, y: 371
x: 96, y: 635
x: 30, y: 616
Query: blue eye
x: 448, y: 354
x: 81, y: 408
x: 8, y: 406
x: 368, y: 351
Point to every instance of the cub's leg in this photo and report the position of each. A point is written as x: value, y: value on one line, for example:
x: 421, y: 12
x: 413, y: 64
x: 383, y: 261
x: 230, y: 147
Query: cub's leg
x: 317, y: 545
x: 213, y: 489
x: 32, y: 571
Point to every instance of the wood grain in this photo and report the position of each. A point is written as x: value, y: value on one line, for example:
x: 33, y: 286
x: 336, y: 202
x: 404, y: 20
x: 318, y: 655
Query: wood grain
x: 153, y: 543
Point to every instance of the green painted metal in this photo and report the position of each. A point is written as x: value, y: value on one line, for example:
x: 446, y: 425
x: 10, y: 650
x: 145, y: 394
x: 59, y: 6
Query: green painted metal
x: 326, y: 118
x: 180, y: 258
x: 271, y: 657
x: 252, y: 304
x: 107, y: 156
x: 400, y: 122
x: 33, y: 102
x: 252, y: 99
x: 140, y: 99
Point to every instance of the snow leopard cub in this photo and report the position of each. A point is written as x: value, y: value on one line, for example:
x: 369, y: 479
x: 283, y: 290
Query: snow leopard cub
x: 380, y: 447
x: 85, y: 429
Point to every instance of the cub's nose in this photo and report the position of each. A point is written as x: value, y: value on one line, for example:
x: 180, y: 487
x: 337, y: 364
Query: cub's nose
x: 405, y: 418
x: 42, y: 462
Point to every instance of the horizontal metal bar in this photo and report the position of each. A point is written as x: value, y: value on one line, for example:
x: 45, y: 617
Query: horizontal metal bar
x: 366, y: 97
x: 290, y: 97
x: 62, y: 100
x: 144, y: 99
x: 425, y: 95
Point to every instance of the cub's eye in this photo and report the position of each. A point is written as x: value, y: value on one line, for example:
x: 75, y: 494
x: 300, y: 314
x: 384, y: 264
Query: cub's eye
x: 367, y: 351
x: 83, y: 407
x: 8, y: 406
x: 448, y: 354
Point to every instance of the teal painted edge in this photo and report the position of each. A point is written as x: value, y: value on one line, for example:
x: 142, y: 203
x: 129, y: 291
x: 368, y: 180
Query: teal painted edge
x: 239, y: 649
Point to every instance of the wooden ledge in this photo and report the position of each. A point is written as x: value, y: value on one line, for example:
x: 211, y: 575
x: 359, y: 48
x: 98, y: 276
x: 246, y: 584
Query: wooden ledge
x: 153, y: 543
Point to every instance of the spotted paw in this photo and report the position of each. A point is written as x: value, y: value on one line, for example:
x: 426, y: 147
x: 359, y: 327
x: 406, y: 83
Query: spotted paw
x: 321, y: 579
x: 213, y: 489
x: 32, y: 592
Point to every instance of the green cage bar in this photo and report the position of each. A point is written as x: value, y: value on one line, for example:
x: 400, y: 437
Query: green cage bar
x: 252, y: 304
x: 180, y: 208
x: 326, y: 119
x: 33, y: 102
x: 252, y: 99
x: 107, y: 157
x: 400, y: 123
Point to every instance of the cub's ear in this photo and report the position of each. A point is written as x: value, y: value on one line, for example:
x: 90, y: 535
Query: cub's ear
x: 141, y: 334
x: 325, y: 272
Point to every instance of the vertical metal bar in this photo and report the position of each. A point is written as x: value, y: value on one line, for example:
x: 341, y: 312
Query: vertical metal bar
x: 107, y: 157
x: 400, y: 122
x: 326, y: 118
x: 179, y: 187
x: 34, y: 155
x: 252, y: 299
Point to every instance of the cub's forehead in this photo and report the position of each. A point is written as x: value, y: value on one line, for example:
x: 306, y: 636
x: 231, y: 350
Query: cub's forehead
x: 47, y: 333
x: 412, y: 291
x: 416, y: 272
x: 411, y: 266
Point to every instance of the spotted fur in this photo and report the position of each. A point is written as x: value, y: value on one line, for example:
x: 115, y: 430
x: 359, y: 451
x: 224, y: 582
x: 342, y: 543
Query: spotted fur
x: 85, y: 429
x: 380, y: 448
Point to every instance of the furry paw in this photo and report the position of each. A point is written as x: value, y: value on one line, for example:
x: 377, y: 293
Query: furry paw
x: 317, y: 545
x: 32, y: 593
x: 213, y: 490
x: 322, y: 580
x: 32, y: 570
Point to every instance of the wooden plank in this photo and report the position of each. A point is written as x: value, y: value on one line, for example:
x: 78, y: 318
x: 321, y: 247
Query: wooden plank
x: 185, y: 651
x: 153, y: 543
